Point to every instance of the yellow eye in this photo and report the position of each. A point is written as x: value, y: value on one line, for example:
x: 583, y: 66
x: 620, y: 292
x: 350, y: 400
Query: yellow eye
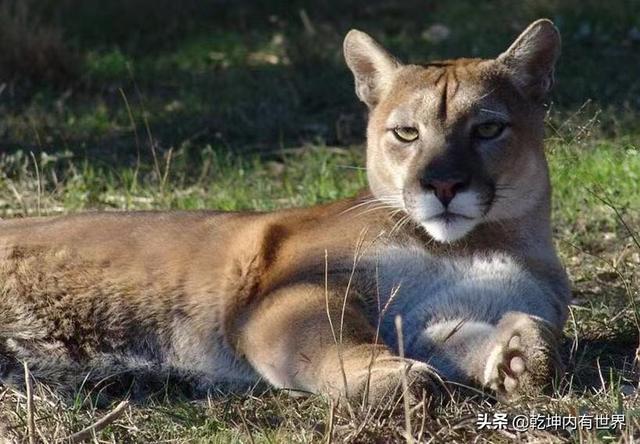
x: 405, y: 133
x: 489, y: 130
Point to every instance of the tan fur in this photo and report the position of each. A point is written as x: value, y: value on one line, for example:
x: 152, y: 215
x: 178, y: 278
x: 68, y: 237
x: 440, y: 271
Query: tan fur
x: 306, y: 298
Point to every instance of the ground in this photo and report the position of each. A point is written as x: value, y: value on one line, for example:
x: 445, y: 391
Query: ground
x: 147, y: 105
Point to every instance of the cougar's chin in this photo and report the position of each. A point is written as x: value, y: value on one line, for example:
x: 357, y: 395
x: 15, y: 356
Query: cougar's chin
x: 449, y: 227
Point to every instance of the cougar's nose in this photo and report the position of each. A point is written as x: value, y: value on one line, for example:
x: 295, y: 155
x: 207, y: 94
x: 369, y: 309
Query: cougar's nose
x: 445, y: 190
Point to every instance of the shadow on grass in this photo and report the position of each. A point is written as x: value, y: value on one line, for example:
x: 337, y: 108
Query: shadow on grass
x: 604, y: 364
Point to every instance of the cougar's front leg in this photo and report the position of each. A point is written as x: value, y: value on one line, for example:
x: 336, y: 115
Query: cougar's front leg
x: 301, y: 338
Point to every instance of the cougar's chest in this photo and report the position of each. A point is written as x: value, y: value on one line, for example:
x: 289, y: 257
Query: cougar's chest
x: 422, y: 288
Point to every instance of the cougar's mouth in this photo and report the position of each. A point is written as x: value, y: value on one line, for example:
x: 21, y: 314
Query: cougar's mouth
x: 451, y: 222
x: 449, y: 216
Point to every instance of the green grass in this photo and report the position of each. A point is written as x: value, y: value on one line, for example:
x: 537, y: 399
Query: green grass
x: 306, y: 176
x: 241, y: 106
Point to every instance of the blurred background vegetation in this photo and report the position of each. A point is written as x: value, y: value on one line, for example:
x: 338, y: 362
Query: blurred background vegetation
x: 109, y: 78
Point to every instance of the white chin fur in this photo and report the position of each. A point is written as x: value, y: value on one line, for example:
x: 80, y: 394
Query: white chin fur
x: 449, y: 231
x: 428, y: 207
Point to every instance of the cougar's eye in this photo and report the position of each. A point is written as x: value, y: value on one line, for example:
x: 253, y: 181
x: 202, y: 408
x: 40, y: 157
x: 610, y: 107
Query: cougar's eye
x: 489, y: 130
x: 405, y: 133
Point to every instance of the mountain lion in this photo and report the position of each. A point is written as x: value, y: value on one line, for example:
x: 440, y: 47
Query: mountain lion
x: 452, y: 244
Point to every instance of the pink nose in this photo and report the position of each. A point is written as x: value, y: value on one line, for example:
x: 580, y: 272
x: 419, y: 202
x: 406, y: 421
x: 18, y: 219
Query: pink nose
x: 445, y: 190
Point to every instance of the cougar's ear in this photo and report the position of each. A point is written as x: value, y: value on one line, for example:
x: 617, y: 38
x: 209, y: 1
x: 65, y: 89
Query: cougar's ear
x: 532, y: 57
x: 371, y: 64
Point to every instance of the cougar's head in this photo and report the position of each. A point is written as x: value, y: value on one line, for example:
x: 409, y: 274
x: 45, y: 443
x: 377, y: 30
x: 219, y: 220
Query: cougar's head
x: 457, y: 143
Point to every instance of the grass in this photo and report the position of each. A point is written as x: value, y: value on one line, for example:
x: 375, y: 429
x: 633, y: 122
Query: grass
x: 248, y: 106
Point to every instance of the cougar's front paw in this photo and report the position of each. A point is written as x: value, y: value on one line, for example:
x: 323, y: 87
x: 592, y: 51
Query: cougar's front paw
x: 522, y: 358
x: 384, y: 382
